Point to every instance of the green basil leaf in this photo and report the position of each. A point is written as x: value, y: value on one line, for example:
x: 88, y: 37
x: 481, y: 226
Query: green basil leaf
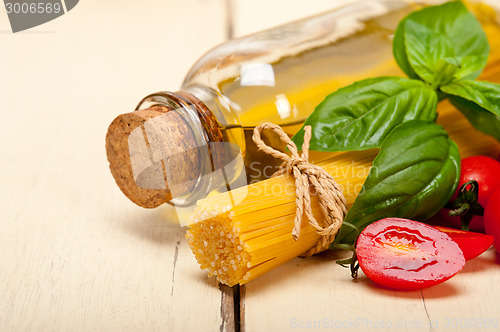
x: 448, y: 32
x: 480, y: 118
x: 413, y: 176
x: 484, y: 94
x: 426, y: 52
x: 399, y: 50
x: 479, y: 102
x: 360, y: 116
x: 470, y: 67
x: 444, y: 71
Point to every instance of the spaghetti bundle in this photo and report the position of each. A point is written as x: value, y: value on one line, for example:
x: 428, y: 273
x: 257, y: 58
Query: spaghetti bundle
x: 237, y: 243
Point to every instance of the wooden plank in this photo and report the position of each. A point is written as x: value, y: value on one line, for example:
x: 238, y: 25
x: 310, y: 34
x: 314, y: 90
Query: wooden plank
x: 469, y: 301
x: 316, y: 293
x: 76, y: 255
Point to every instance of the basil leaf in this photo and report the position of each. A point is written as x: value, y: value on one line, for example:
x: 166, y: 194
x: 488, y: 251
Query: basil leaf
x: 426, y: 50
x: 470, y: 66
x: 413, y: 176
x: 484, y: 94
x: 360, y: 116
x: 479, y: 102
x: 444, y: 71
x: 480, y: 118
x: 399, y: 50
x: 446, y: 32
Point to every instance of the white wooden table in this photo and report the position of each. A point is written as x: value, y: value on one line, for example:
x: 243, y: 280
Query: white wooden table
x: 76, y: 255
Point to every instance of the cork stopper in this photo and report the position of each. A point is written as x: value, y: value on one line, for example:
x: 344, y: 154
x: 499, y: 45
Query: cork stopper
x: 153, y: 155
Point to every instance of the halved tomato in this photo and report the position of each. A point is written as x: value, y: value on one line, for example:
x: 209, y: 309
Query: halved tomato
x: 472, y: 244
x: 404, y: 254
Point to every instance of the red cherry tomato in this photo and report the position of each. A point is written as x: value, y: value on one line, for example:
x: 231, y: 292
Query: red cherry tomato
x: 492, y: 218
x: 472, y: 244
x: 404, y: 254
x: 486, y: 171
x: 475, y: 225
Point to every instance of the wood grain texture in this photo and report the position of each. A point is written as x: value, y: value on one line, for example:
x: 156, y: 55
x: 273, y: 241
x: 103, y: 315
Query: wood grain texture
x: 75, y: 253
x: 318, y: 294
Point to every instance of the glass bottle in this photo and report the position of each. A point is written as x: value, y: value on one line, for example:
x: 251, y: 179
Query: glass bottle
x: 179, y: 147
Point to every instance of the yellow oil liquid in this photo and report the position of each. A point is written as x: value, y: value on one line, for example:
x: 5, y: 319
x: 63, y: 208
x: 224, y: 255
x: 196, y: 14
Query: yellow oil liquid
x: 302, y: 81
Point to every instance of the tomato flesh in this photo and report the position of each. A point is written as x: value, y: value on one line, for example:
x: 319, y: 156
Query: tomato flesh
x: 472, y: 244
x: 404, y: 254
x: 492, y: 218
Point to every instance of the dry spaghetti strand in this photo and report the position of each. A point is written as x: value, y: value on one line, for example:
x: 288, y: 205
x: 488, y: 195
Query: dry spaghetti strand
x: 307, y: 177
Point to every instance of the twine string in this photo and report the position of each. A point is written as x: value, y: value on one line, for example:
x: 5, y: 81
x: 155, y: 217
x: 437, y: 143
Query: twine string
x: 308, y: 177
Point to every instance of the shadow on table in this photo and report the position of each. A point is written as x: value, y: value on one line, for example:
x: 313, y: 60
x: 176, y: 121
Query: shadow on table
x: 443, y: 290
x: 322, y: 270
x: 159, y: 225
x: 489, y: 260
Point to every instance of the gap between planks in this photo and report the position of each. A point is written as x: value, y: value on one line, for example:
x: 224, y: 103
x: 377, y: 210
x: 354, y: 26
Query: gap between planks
x: 232, y: 308
x: 232, y: 298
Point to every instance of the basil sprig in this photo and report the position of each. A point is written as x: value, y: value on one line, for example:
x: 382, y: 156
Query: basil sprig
x: 442, y: 49
x: 446, y: 47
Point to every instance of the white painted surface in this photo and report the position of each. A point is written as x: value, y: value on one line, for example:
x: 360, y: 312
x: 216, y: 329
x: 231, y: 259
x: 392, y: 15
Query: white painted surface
x: 76, y: 255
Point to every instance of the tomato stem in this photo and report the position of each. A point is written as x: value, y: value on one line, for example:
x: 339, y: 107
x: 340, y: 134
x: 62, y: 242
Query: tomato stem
x: 460, y: 211
x: 351, y: 262
x: 354, y: 265
x: 466, y: 204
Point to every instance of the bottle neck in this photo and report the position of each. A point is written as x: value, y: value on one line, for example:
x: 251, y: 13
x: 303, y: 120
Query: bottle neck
x: 164, y: 150
x: 199, y: 117
x: 189, y: 172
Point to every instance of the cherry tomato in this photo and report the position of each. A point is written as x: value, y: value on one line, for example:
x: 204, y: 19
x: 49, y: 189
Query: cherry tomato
x: 492, y: 218
x: 486, y: 171
x: 472, y: 244
x: 476, y: 224
x: 404, y: 254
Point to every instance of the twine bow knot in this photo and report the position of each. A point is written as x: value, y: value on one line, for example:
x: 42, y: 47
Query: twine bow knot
x: 307, y: 177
